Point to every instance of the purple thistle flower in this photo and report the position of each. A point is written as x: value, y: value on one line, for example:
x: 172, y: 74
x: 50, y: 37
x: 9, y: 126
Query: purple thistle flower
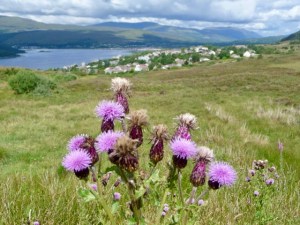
x: 117, y: 196
x: 76, y: 142
x: 93, y: 187
x: 166, y: 208
x: 163, y: 214
x: 247, y: 179
x: 201, y: 202
x: 107, y: 140
x: 182, y: 150
x: 269, y: 181
x: 252, y: 172
x: 221, y: 174
x: 256, y: 193
x: 77, y: 160
x: 36, y: 223
x: 109, y: 110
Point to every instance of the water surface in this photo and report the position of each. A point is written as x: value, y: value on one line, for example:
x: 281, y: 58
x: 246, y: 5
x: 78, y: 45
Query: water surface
x: 58, y: 58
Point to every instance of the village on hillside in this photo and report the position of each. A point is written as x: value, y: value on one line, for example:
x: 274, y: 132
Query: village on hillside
x: 162, y: 59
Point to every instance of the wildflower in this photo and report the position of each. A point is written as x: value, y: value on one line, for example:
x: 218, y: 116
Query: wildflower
x: 276, y: 175
x: 272, y: 169
x: 109, y: 111
x: 182, y: 150
x: 166, y: 208
x: 106, y: 178
x: 163, y: 214
x: 121, y: 89
x: 76, y: 142
x: 137, y: 120
x: 280, y: 146
x: 256, y: 193
x: 125, y: 154
x: 157, y: 149
x: 93, y: 187
x: 252, y: 172
x: 221, y: 174
x: 89, y: 146
x: 78, y: 162
x: 117, y: 182
x: 247, y: 179
x: 117, y: 196
x: 185, y: 123
x: 203, y: 157
x: 36, y: 223
x: 201, y: 202
x: 269, y: 181
x: 107, y: 140
x: 190, y: 201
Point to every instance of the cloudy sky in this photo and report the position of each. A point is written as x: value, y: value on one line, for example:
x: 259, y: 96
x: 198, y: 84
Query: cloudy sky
x: 268, y: 17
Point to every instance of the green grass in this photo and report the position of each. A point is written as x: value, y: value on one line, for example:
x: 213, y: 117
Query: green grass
x: 234, y: 102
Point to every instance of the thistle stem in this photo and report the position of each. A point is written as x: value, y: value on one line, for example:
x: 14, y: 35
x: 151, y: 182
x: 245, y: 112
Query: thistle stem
x: 202, y: 194
x: 158, y: 214
x: 136, y: 212
x: 192, y: 195
x: 99, y: 164
x: 104, y: 206
x: 180, y: 187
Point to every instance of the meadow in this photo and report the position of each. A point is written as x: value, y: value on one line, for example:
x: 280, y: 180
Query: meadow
x: 243, y: 108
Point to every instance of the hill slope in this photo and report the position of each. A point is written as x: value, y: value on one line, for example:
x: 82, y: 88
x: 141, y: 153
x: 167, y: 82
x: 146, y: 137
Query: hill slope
x: 293, y: 37
x: 21, y: 32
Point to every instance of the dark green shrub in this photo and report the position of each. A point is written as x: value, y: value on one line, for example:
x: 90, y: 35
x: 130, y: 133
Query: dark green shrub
x: 23, y: 82
x: 65, y: 77
x: 26, y: 81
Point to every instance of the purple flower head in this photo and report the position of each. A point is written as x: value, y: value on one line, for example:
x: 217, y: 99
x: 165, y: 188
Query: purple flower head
x: 109, y: 110
x: 269, y: 181
x: 77, y: 161
x: 201, y: 202
x: 280, y: 146
x: 166, y: 208
x: 256, y: 193
x: 107, y: 140
x: 117, y: 196
x: 183, y: 148
x: 94, y: 187
x: 252, y: 172
x: 222, y: 174
x: 36, y: 223
x: 76, y: 142
x: 163, y: 214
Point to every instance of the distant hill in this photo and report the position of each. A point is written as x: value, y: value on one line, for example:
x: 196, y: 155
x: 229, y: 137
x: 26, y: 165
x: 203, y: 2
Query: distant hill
x: 19, y: 32
x: 293, y: 37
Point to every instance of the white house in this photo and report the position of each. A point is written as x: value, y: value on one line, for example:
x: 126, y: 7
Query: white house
x: 247, y: 54
x: 141, y: 67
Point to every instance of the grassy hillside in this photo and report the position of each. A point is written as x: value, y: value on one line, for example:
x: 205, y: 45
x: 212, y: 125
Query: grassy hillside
x: 243, y: 109
x: 293, y: 37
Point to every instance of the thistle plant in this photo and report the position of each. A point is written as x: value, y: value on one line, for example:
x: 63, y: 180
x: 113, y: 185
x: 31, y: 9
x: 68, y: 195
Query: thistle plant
x: 261, y: 180
x: 121, y: 149
x: 121, y: 88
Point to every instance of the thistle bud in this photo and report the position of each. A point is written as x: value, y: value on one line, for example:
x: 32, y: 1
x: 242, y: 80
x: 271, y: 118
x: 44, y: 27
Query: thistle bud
x: 121, y: 89
x: 106, y: 178
x: 185, y: 123
x: 198, y: 175
x: 82, y: 174
x: 157, y: 149
x: 137, y: 120
x: 107, y: 125
x: 117, y: 183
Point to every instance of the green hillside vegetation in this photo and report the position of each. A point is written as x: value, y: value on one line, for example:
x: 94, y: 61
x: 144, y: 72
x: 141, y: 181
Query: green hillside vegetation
x: 295, y: 37
x: 243, y: 108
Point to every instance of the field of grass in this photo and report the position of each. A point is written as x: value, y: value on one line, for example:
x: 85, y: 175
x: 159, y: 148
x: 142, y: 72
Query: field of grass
x: 243, y: 109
